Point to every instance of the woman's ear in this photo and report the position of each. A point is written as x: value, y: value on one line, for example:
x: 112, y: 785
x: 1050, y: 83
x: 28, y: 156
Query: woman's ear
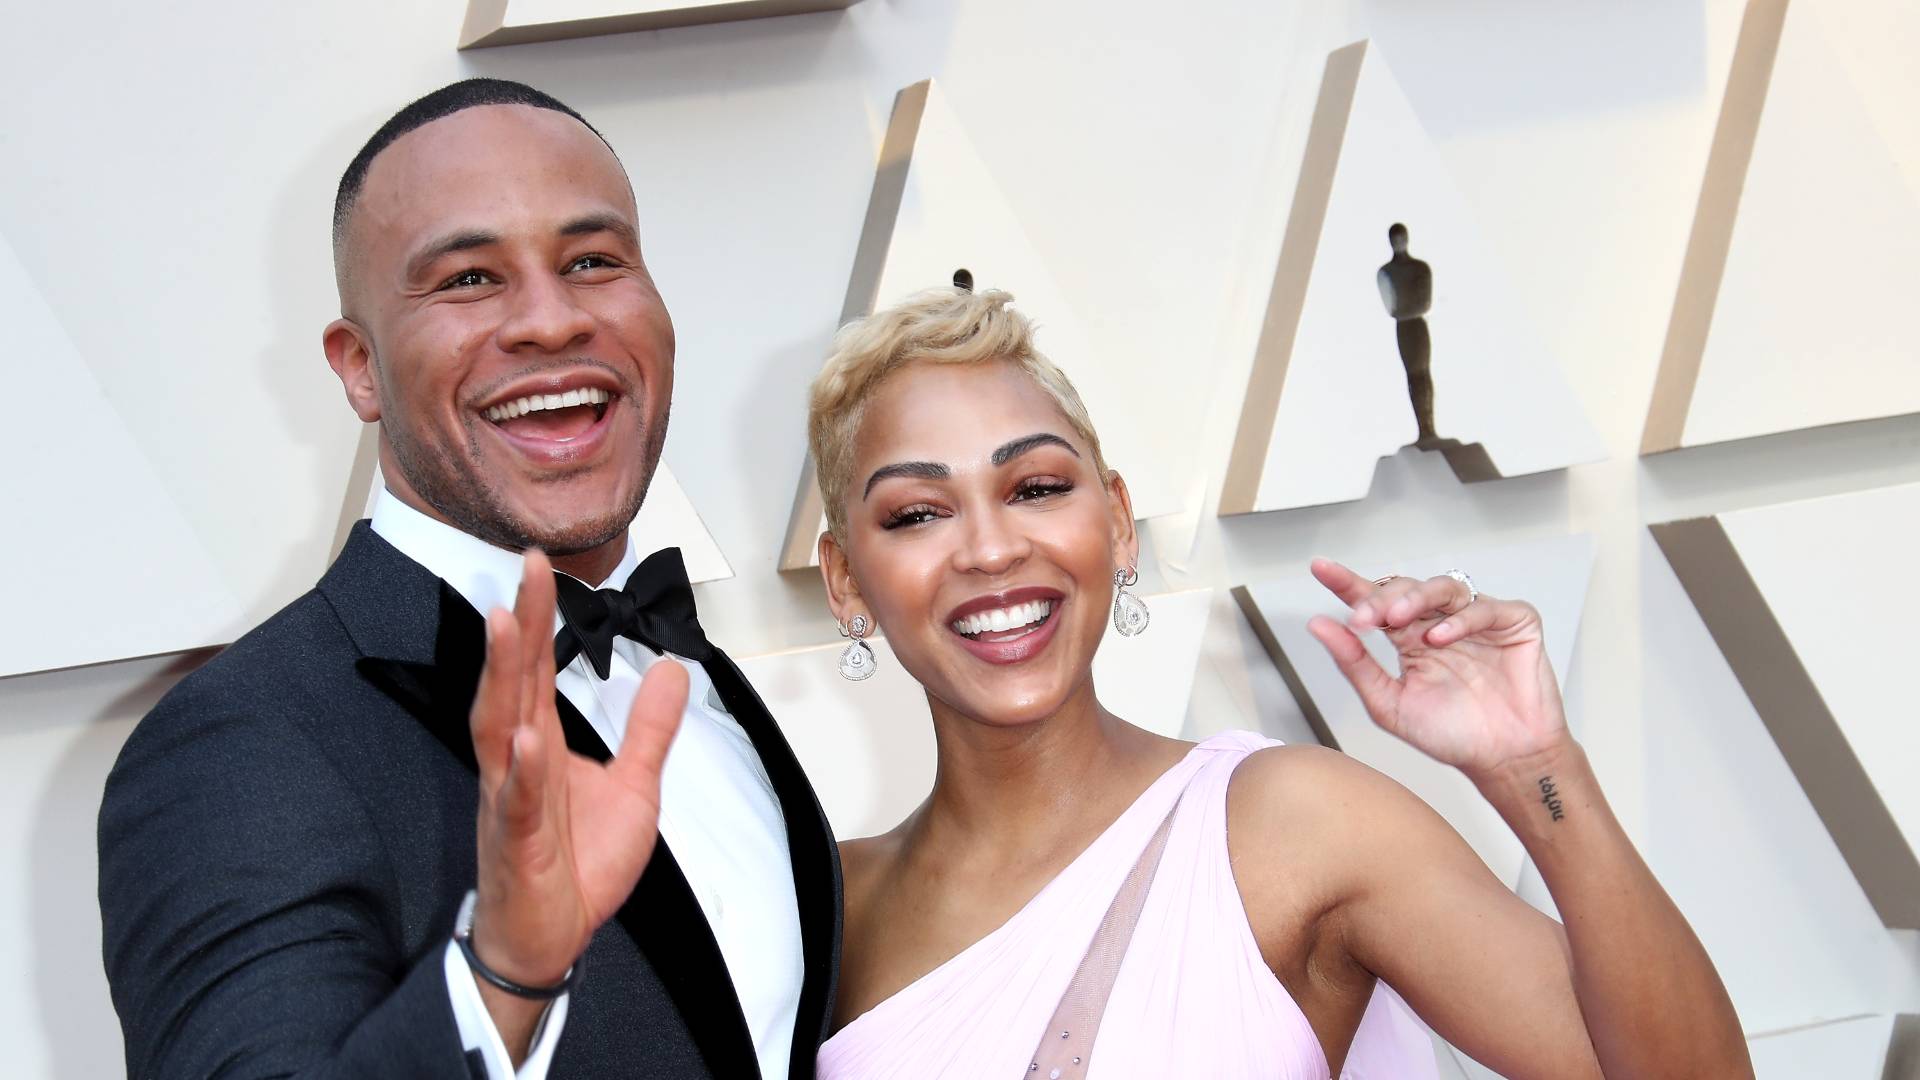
x: 1126, y: 536
x: 350, y: 355
x: 843, y: 592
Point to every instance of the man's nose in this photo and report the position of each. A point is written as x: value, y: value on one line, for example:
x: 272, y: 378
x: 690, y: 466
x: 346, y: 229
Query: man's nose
x: 544, y: 316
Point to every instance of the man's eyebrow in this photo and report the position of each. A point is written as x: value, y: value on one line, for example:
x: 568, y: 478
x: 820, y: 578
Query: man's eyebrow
x: 925, y: 470
x: 589, y: 224
x: 464, y: 240
x: 1030, y: 442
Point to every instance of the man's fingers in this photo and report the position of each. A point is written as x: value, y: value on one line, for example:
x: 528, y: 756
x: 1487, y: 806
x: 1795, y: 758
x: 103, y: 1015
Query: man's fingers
x: 521, y: 803
x: 1378, y: 691
x: 496, y: 703
x: 651, y: 725
x: 533, y: 608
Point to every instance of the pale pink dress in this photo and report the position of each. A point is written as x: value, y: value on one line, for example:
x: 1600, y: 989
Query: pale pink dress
x: 1192, y: 997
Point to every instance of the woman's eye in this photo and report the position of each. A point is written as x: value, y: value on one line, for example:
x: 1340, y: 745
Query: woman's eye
x: 910, y: 515
x: 1040, y: 489
x: 465, y: 279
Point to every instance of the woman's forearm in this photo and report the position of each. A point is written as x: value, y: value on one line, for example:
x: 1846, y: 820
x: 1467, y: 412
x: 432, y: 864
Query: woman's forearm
x: 1652, y: 1002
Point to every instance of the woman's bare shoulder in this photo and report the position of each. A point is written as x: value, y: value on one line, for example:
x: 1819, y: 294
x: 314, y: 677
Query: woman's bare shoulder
x: 1301, y: 807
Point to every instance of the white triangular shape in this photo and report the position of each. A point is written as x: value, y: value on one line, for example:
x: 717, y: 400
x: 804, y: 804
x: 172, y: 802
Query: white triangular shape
x: 1550, y: 573
x: 1813, y: 323
x: 951, y: 216
x: 666, y: 519
x: 100, y: 564
x: 1329, y: 395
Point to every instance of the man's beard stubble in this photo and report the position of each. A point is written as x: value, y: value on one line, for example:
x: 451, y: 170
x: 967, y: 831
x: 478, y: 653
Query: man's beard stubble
x: 452, y: 484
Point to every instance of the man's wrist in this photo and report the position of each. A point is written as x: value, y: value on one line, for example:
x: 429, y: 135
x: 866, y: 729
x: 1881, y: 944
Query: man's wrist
x: 492, y: 962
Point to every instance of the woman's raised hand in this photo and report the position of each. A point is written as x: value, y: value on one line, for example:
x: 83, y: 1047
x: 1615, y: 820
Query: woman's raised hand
x: 1475, y: 688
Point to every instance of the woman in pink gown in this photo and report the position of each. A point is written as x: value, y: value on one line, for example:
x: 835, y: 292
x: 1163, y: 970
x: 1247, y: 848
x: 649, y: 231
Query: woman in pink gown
x: 1078, y: 897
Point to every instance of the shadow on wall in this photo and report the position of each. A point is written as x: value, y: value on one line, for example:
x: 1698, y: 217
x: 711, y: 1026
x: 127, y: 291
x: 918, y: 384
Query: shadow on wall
x: 81, y: 1032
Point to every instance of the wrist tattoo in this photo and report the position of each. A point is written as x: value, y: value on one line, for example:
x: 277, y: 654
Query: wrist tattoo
x: 1550, y: 798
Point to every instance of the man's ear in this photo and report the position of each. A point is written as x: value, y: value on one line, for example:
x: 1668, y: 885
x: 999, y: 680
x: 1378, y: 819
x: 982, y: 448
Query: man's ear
x: 1126, y: 535
x: 350, y: 355
x: 843, y: 592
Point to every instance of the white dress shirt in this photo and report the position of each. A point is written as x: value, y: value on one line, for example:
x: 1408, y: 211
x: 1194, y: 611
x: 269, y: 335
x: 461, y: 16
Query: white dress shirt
x: 718, y: 810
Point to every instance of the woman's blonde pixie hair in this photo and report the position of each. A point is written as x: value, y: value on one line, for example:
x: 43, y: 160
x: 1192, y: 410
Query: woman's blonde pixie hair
x: 947, y: 325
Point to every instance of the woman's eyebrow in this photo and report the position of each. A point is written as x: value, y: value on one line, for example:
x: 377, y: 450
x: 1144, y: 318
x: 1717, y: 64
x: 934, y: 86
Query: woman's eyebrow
x: 925, y: 470
x: 1029, y: 442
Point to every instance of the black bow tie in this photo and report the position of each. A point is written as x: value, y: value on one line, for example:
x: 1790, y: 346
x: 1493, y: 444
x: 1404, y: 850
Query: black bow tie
x: 655, y: 609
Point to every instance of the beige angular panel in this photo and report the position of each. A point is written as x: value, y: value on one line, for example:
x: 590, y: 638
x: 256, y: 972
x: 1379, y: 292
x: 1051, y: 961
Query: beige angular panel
x: 1329, y: 394
x: 1862, y: 1047
x: 936, y: 209
x: 98, y: 563
x: 1825, y: 661
x: 1795, y: 301
x: 666, y: 519
x: 868, y: 746
x: 1551, y: 573
x: 516, y: 22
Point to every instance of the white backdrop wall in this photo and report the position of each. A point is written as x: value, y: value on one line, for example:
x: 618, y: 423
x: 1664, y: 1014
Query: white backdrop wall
x: 166, y: 173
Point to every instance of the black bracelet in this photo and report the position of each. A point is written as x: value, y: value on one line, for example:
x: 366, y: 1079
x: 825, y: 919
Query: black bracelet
x: 535, y: 993
x: 463, y: 937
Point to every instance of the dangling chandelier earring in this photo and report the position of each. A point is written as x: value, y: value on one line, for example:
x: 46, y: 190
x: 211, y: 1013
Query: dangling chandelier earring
x: 1129, y: 611
x: 856, y: 663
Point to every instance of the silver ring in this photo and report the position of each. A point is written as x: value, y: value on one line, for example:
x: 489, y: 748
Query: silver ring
x: 1473, y: 592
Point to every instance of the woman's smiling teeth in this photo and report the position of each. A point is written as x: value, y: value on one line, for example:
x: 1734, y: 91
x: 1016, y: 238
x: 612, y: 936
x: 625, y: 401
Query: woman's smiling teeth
x: 532, y: 403
x: 1021, y: 617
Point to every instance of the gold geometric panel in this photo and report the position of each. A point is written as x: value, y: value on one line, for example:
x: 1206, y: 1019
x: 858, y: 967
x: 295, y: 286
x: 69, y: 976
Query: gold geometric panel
x: 1551, y: 573
x: 1796, y: 294
x: 936, y: 209
x: 1811, y: 606
x: 1391, y: 321
x: 516, y: 22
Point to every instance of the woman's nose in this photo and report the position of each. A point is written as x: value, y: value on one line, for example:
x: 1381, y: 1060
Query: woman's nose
x: 993, y: 543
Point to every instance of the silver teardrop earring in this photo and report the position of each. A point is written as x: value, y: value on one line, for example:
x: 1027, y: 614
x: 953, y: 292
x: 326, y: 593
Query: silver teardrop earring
x: 856, y: 663
x: 1129, y: 611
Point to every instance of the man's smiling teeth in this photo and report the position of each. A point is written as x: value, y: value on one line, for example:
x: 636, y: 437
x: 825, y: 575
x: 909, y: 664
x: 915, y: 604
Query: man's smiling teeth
x: 1006, y: 618
x: 507, y: 410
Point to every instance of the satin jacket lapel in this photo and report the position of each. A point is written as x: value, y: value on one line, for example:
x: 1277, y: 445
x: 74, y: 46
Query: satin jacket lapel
x: 816, y: 860
x: 666, y: 921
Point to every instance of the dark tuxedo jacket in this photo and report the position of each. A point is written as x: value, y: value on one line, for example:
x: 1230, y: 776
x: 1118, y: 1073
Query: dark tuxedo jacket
x: 286, y: 839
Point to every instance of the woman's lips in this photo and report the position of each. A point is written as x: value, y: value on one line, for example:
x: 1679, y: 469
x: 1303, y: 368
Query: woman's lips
x: 1015, y: 645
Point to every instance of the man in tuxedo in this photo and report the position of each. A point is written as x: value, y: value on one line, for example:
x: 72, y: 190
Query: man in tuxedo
x: 398, y: 830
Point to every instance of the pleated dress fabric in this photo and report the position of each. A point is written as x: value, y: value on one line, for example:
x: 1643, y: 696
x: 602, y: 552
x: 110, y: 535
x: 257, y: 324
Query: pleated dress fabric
x: 1192, y: 996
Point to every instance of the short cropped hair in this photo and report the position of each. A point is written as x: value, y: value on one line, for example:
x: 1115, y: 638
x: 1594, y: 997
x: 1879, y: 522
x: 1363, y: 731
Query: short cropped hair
x: 947, y: 325
x: 449, y: 99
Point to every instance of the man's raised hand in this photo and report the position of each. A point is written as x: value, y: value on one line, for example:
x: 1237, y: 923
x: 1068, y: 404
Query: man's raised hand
x: 562, y: 839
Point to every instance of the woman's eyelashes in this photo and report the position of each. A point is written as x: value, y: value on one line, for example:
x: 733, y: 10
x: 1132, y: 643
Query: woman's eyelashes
x: 1041, y: 487
x: 917, y: 514
x: 1033, y: 489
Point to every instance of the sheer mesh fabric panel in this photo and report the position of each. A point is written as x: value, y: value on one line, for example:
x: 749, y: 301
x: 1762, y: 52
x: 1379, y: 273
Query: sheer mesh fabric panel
x: 1067, y: 1045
